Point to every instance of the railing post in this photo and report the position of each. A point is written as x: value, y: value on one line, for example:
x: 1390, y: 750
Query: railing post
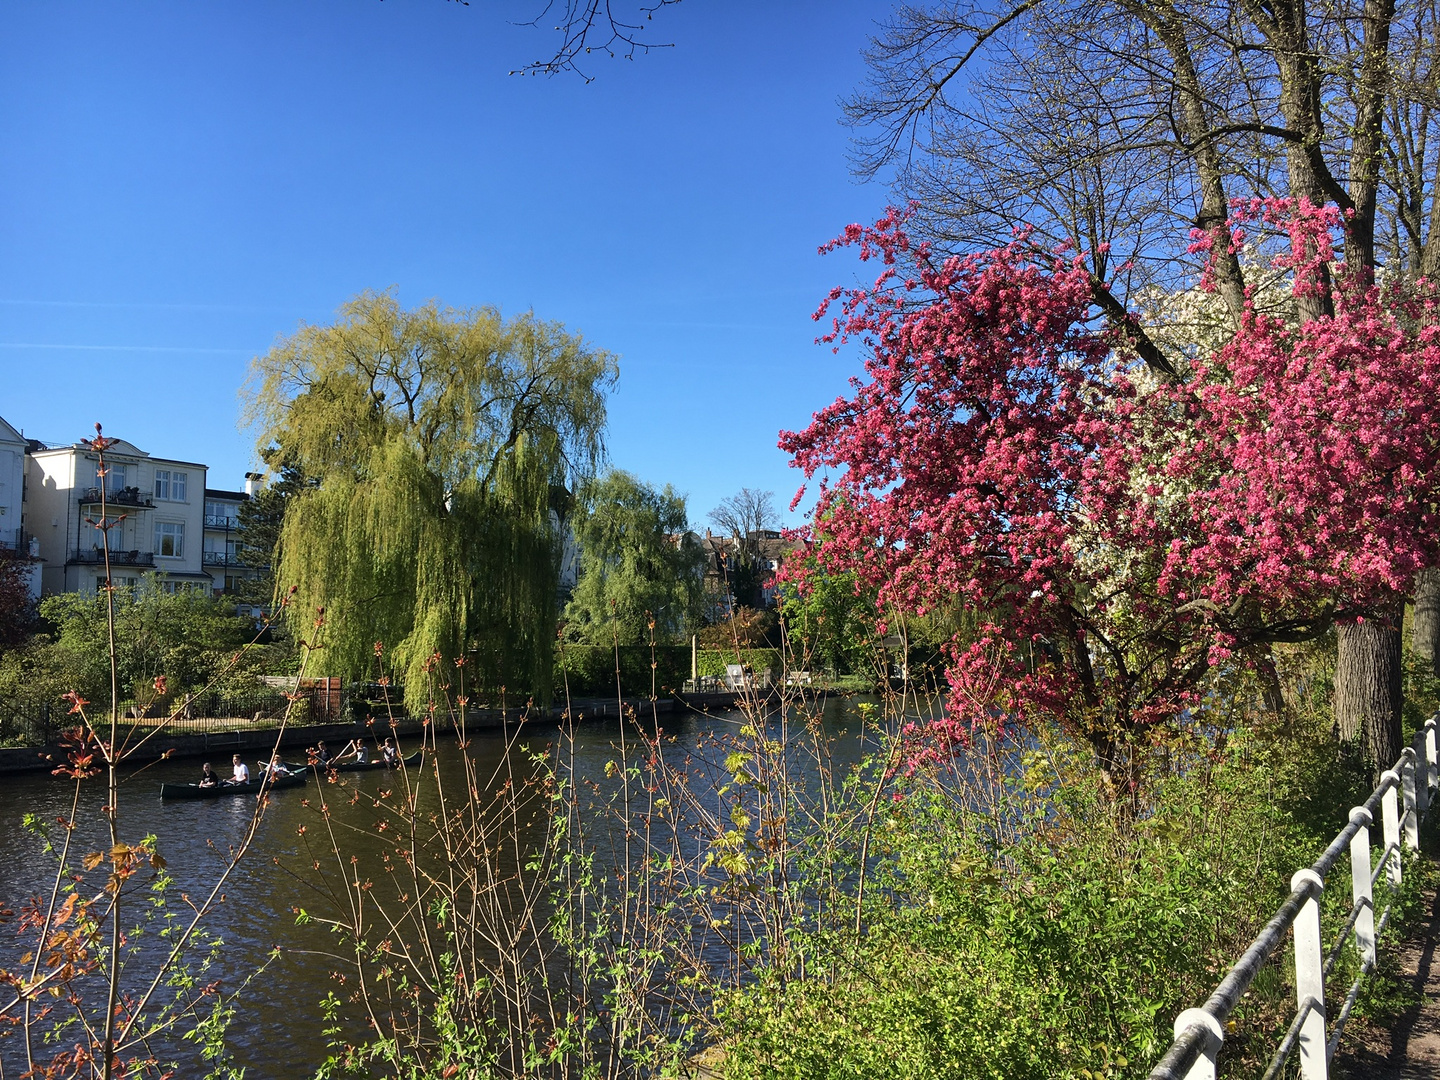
x: 1310, y: 978
x: 1203, y: 1068
x: 1360, y: 891
x: 1432, y: 762
x: 1420, y: 770
x: 1411, y: 819
x: 1390, y: 819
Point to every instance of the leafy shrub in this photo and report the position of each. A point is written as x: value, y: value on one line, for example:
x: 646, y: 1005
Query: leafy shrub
x: 588, y: 670
x: 1041, y: 934
x: 712, y: 662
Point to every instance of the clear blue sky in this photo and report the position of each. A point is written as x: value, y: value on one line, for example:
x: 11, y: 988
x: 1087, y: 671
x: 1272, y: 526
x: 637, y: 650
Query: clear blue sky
x: 184, y: 182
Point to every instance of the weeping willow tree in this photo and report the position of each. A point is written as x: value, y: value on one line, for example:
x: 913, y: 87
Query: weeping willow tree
x: 444, y: 443
x: 639, y: 564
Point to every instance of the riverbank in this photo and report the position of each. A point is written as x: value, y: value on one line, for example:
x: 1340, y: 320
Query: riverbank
x: 247, y: 739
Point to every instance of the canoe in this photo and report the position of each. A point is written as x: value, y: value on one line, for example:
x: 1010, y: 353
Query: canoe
x: 356, y: 766
x: 195, y: 791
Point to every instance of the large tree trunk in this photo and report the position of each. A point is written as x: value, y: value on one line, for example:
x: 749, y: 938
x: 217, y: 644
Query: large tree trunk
x: 1368, y: 688
x: 1425, y: 623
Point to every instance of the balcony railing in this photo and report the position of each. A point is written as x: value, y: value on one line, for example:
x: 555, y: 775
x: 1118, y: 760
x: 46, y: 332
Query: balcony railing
x: 219, y: 558
x: 14, y: 540
x: 122, y: 497
x: 213, y: 521
x: 92, y: 556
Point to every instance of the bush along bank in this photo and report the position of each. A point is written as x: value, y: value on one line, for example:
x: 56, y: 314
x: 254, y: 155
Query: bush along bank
x: 976, y: 904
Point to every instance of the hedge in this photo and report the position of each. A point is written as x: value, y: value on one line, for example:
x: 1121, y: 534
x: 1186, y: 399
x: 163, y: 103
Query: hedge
x: 714, y: 661
x: 590, y: 669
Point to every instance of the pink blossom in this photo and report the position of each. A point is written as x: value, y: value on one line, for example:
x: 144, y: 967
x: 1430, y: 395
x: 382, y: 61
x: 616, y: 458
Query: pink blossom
x: 998, y: 451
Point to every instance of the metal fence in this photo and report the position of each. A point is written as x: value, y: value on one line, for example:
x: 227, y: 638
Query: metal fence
x: 216, y: 711
x: 96, y: 556
x: 1402, y: 799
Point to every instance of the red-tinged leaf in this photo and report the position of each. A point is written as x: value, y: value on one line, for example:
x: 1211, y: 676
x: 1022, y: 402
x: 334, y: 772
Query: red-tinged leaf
x: 65, y: 910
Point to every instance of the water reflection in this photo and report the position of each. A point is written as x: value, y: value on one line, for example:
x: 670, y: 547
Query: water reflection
x: 277, y: 1031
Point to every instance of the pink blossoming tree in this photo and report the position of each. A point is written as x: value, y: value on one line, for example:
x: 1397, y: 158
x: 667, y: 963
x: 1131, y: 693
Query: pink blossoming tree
x: 1127, y: 536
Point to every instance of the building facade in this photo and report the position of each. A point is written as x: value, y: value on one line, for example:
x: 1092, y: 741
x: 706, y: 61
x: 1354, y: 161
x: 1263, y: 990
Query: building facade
x: 12, y: 488
x: 155, y: 508
x: 14, y: 540
x: 222, y: 545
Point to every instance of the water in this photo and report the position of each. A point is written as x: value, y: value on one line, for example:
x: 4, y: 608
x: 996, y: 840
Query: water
x: 277, y: 1030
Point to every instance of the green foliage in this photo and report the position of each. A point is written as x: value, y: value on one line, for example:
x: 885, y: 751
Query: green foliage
x: 712, y: 662
x: 744, y: 627
x: 186, y: 636
x: 638, y: 564
x: 161, y: 948
x: 443, y: 443
x: 589, y: 670
x: 1039, y: 935
x: 831, y: 622
x: 261, y: 518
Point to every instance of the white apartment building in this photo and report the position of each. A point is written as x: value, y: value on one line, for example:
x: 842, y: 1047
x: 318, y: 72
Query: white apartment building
x: 157, y: 504
x: 222, y: 547
x: 12, y: 486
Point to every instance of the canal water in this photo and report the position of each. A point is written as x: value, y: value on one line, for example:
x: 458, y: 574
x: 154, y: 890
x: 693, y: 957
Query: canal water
x: 277, y: 1031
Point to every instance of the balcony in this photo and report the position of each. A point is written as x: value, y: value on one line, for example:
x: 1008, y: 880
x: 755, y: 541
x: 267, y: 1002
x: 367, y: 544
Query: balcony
x: 220, y: 558
x: 221, y: 522
x: 124, y: 497
x: 13, y: 540
x: 94, y: 556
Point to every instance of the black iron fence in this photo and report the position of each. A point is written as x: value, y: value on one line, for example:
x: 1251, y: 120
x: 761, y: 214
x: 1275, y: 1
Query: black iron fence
x: 117, y: 558
x: 118, y: 497
x: 216, y: 711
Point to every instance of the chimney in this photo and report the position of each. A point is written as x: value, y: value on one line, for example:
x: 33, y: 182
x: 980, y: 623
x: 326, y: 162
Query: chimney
x: 254, y: 481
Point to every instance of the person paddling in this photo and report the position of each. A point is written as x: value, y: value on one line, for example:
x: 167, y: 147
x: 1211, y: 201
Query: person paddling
x: 275, y: 768
x: 240, y: 773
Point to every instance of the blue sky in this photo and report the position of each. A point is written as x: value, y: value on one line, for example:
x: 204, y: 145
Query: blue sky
x: 185, y: 182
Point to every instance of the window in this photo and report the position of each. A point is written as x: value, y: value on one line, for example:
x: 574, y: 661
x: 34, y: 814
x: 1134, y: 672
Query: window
x: 114, y: 478
x: 170, y: 486
x: 170, y: 539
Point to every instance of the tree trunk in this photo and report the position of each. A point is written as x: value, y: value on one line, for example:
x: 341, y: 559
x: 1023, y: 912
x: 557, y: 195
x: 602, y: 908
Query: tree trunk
x: 1425, y: 623
x: 1368, y: 689
x: 1270, y: 688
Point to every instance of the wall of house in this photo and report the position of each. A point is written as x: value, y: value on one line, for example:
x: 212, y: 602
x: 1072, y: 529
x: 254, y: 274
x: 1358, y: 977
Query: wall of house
x: 57, y: 479
x: 49, y: 478
x: 12, y: 484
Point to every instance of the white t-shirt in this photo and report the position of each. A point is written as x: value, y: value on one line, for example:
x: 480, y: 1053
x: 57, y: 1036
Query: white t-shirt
x: 241, y: 775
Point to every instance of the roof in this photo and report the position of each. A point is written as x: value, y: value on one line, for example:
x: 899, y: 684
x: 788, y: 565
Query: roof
x: 220, y: 493
x: 8, y: 433
x: 118, y: 448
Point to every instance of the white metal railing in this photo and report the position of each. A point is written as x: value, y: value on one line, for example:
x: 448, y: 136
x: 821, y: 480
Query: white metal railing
x: 1403, y: 804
